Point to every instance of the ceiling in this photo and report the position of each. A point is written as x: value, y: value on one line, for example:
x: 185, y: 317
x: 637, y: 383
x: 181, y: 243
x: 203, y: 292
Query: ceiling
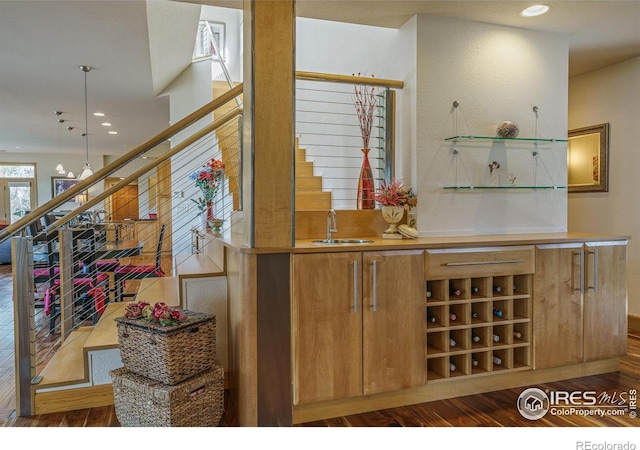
x: 137, y: 48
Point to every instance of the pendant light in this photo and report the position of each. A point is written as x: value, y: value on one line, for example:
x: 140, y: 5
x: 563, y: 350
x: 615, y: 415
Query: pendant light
x: 70, y: 174
x: 59, y: 167
x: 86, y: 170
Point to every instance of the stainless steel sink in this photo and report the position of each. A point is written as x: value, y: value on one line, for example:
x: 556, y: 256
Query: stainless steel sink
x: 342, y: 241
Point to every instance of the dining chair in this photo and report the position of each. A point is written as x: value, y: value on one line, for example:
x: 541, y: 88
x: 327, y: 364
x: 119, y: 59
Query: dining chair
x: 90, y: 285
x: 125, y: 272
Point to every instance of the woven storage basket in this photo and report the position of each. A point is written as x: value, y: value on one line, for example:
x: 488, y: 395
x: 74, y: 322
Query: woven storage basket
x: 168, y: 354
x: 142, y: 402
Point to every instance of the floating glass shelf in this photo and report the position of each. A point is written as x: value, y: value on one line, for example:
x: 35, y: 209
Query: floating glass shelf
x: 497, y: 138
x: 470, y: 188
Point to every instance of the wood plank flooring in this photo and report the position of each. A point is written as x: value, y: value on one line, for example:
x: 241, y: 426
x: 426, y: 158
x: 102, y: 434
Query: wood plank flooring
x: 494, y: 409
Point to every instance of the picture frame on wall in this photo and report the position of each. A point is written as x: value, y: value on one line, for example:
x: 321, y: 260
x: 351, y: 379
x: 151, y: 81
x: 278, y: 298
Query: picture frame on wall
x: 62, y: 184
x: 203, y: 47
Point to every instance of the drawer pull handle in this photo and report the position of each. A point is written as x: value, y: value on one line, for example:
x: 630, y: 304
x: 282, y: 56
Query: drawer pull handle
x: 375, y: 286
x: 355, y: 286
x: 477, y: 263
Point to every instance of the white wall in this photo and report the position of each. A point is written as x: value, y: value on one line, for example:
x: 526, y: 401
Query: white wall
x: 496, y: 73
x: 190, y: 91
x: 611, y: 95
x: 346, y: 49
x: 232, y: 18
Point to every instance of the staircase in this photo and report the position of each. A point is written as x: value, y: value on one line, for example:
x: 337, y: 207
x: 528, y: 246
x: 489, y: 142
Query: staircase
x: 309, y: 193
x: 68, y: 380
x: 77, y: 376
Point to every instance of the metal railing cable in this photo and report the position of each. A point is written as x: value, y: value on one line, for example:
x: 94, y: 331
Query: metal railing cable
x: 119, y: 163
x: 71, y: 281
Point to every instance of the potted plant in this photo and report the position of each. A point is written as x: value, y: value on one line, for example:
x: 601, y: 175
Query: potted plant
x: 394, y: 198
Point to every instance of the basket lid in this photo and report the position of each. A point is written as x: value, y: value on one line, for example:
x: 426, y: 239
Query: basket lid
x: 193, y: 318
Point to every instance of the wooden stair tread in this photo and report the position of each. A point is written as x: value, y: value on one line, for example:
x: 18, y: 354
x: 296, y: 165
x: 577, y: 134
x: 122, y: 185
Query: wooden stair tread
x: 313, y: 183
x: 196, y: 265
x: 163, y: 289
x: 68, y: 365
x: 105, y: 333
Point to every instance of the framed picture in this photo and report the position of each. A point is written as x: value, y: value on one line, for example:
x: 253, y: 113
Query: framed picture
x: 587, y: 162
x: 62, y: 184
x: 204, y: 47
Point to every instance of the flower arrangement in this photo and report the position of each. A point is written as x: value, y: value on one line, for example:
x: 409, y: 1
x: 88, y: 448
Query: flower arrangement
x: 159, y: 312
x: 365, y: 101
x: 395, y: 194
x: 208, y: 178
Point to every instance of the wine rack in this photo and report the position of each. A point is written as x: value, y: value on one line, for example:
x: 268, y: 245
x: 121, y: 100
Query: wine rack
x: 478, y: 325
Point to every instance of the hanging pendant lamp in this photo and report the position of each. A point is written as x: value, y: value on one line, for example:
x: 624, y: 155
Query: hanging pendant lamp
x: 86, y: 170
x: 59, y: 167
x: 70, y: 174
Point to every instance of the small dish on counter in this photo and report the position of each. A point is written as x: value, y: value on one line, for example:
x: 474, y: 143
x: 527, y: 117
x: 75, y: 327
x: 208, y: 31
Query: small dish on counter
x: 408, y: 232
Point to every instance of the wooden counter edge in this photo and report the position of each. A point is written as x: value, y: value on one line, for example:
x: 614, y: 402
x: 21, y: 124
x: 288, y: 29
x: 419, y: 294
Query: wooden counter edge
x: 306, y: 246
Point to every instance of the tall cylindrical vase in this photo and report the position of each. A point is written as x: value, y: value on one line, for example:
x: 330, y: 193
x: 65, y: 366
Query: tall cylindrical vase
x: 366, y: 186
x: 210, y: 215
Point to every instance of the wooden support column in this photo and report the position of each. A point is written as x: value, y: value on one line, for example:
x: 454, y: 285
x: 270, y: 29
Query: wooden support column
x: 268, y: 135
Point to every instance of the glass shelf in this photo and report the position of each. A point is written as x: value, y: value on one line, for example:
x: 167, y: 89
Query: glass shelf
x: 471, y: 188
x: 497, y: 138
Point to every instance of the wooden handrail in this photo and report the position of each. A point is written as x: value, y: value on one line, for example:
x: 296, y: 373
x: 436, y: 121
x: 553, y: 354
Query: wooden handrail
x: 315, y: 76
x: 104, y: 172
x: 153, y: 164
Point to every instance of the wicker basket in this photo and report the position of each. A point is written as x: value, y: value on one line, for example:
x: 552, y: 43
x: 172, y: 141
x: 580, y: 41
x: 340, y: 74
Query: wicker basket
x: 142, y: 402
x: 168, y: 354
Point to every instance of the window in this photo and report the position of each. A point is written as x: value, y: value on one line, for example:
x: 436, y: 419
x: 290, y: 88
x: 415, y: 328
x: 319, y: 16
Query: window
x: 17, y: 192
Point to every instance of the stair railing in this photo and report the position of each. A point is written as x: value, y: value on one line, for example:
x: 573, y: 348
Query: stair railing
x: 327, y: 129
x: 35, y: 341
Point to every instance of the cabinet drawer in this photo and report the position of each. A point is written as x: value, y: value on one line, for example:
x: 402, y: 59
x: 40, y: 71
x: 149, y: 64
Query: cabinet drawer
x: 483, y: 261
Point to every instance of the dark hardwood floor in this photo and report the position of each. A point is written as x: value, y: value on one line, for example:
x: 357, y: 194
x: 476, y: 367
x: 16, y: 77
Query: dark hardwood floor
x: 494, y: 409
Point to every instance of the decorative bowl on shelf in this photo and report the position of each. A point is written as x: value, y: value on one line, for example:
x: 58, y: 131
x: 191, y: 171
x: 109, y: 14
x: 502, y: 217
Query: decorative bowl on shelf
x: 216, y: 224
x: 508, y: 129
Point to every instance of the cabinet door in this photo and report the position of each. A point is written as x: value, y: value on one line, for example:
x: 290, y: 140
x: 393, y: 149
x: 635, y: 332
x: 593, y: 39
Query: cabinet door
x: 605, y: 304
x: 394, y: 323
x: 327, y: 326
x: 557, y: 305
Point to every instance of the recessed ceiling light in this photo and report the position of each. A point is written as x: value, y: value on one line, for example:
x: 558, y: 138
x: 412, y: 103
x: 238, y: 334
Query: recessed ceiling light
x: 113, y: 132
x: 535, y: 10
x: 98, y: 114
x: 106, y: 124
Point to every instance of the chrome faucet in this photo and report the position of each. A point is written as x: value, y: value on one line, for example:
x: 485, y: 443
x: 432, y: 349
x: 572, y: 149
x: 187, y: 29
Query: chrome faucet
x: 332, y: 224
